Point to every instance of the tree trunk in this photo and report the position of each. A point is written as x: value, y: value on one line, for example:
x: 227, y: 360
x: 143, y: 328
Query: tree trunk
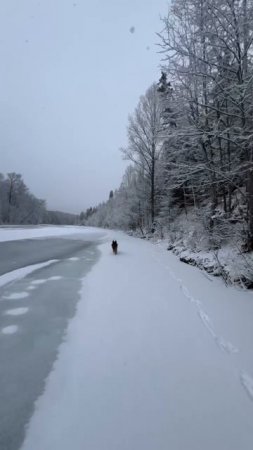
x: 153, y: 185
x: 250, y: 208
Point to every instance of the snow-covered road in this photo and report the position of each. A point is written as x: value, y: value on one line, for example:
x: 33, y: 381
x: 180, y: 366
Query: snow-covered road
x: 157, y: 357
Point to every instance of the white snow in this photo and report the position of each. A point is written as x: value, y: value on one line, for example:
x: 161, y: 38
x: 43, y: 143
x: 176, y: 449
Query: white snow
x: 11, y: 329
x: 16, y: 295
x: 44, y: 280
x: 13, y: 234
x: 74, y: 258
x: 16, y: 311
x: 157, y: 357
x: 55, y: 278
x: 23, y: 272
x: 247, y: 382
x: 40, y: 281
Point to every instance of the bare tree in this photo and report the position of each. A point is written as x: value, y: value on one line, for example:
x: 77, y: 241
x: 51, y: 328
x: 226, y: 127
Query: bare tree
x: 144, y: 144
x: 207, y: 47
x: 18, y: 205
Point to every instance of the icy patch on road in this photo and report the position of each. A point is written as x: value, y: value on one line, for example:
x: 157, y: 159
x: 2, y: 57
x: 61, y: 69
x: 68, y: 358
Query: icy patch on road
x: 16, y: 295
x: 74, y: 258
x: 11, y: 329
x: 247, y: 383
x: 31, y: 288
x: 22, y: 272
x: 16, y: 311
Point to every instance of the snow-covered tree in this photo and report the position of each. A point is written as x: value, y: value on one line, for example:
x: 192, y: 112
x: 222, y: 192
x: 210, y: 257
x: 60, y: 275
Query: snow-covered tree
x: 18, y: 205
x: 207, y: 47
x: 144, y: 144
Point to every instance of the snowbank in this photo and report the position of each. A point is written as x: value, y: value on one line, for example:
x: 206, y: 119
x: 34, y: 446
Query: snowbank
x: 219, y: 255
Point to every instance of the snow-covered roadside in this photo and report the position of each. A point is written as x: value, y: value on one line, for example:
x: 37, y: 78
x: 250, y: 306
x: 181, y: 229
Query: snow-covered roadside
x: 227, y: 262
x: 226, y: 311
x: 13, y: 234
x: 144, y: 365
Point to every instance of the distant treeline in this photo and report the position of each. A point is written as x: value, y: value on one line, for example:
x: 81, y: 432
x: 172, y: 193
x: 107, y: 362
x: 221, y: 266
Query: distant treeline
x: 60, y: 218
x: 18, y: 206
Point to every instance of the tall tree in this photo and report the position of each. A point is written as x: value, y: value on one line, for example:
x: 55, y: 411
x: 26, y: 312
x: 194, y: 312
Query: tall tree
x: 208, y: 47
x: 144, y: 144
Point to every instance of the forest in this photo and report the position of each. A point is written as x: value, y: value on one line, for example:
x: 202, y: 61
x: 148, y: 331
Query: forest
x: 190, y: 143
x: 18, y: 206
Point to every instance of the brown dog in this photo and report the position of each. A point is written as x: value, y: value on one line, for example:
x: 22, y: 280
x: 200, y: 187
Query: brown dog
x: 115, y: 247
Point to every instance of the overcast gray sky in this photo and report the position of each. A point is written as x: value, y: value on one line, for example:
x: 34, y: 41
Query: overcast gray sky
x: 71, y: 72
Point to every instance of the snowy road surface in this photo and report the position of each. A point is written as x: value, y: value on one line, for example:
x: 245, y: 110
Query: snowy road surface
x: 158, y: 356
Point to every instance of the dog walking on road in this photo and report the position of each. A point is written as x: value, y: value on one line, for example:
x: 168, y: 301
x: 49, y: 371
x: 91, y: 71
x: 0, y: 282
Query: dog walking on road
x: 115, y: 247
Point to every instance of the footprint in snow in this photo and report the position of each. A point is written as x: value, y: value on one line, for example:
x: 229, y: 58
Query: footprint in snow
x: 247, y: 383
x: 226, y: 346
x: 196, y: 302
x: 207, y: 322
x: 185, y: 292
x: 189, y: 297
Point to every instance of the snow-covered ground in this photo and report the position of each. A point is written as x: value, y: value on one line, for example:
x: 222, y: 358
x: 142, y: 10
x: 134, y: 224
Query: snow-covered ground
x: 158, y: 356
x: 17, y: 233
x: 221, y: 253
